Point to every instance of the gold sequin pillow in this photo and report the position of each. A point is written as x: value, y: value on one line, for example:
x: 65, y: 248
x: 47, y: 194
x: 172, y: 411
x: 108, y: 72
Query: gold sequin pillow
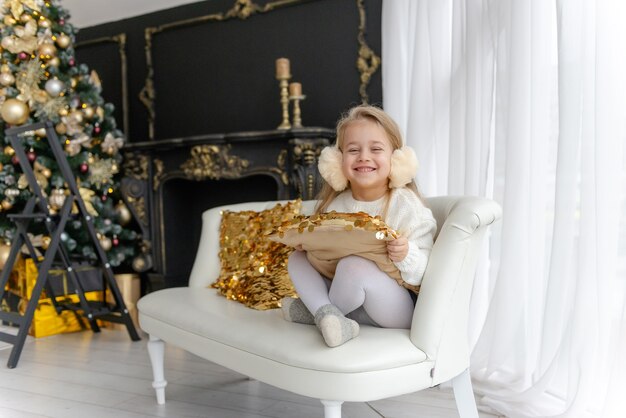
x: 329, y: 237
x: 254, y: 268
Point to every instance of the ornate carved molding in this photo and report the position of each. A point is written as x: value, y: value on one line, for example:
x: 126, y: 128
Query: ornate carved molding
x: 305, y: 155
x: 213, y: 162
x: 136, y: 166
x: 158, y: 173
x: 281, y: 167
x: 136, y: 169
x: 136, y: 201
x: 367, y: 62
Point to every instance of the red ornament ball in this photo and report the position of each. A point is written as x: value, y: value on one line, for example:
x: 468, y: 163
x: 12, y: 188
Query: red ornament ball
x: 22, y: 56
x: 103, y: 198
x: 15, y: 160
x: 115, y: 241
x: 31, y: 156
x: 71, y: 62
x: 84, y: 167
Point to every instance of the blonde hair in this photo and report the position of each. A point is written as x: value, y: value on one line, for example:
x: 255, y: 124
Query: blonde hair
x: 360, y: 113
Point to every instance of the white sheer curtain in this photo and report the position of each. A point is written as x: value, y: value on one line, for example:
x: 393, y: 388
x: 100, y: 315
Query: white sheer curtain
x: 525, y: 102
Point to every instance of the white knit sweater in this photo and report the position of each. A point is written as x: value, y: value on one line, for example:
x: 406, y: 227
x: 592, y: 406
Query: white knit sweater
x: 408, y: 216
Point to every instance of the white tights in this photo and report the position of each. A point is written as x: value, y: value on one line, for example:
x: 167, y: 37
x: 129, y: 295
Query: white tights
x: 358, y: 282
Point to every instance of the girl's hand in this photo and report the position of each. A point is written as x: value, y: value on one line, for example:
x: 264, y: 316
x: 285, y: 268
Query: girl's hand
x: 398, y: 249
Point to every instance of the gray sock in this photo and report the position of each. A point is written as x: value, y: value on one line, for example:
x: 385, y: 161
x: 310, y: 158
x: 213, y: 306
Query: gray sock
x: 334, y: 326
x: 294, y: 310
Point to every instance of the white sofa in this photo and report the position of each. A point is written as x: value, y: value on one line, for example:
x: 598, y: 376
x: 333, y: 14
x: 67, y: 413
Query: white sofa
x: 379, y: 363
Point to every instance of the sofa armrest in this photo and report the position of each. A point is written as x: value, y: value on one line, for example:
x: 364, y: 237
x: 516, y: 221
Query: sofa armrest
x: 440, y: 320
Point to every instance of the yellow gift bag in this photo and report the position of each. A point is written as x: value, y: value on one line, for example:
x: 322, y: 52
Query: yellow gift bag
x: 46, y: 321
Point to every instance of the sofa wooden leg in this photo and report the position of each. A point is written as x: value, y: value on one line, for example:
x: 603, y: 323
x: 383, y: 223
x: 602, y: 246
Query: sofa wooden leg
x: 156, y: 351
x: 464, y: 395
x: 332, y: 409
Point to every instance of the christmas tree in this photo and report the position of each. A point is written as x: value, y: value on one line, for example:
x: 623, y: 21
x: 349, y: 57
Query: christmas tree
x: 40, y: 80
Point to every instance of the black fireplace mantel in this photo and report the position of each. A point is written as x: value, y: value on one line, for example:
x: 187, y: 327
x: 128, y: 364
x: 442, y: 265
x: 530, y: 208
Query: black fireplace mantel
x: 169, y: 183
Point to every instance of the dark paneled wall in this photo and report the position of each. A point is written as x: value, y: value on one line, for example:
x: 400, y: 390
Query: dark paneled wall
x: 219, y: 76
x: 213, y: 73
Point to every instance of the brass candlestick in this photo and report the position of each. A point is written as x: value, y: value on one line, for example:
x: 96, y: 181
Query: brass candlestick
x: 284, y: 100
x: 297, y: 119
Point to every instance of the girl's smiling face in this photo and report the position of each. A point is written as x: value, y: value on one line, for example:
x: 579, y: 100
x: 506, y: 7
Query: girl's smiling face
x: 366, y: 160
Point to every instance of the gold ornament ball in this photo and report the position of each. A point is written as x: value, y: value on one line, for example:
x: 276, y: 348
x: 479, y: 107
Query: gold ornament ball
x: 72, y: 149
x: 9, y: 21
x: 61, y: 128
x: 6, y: 79
x: 45, y: 242
x: 5, y: 68
x: 47, y: 173
x: 47, y: 51
x: 6, y: 205
x: 44, y: 23
x: 54, y: 62
x: 63, y: 40
x: 5, y: 249
x: 89, y: 112
x: 41, y: 132
x: 139, y: 263
x: 8, y: 150
x: 106, y: 243
x: 24, y: 18
x: 14, y: 111
x: 76, y: 116
x: 57, y: 198
x: 123, y: 213
x: 63, y: 112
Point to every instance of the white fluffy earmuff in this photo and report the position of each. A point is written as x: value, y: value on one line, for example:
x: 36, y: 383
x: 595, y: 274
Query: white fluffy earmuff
x: 329, y: 166
x: 403, y: 167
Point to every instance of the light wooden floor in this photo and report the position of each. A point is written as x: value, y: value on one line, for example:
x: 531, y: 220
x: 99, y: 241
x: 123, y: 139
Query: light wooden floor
x: 107, y: 375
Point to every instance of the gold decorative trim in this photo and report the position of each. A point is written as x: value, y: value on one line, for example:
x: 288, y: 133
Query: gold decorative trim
x: 367, y: 62
x: 120, y: 39
x: 213, y: 162
x: 139, y: 204
x: 305, y: 156
x: 281, y: 167
x: 136, y: 166
x: 242, y: 9
x: 306, y: 153
x: 158, y: 174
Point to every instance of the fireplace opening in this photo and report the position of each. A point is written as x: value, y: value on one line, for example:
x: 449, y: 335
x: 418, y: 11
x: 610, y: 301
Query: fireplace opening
x: 184, y: 201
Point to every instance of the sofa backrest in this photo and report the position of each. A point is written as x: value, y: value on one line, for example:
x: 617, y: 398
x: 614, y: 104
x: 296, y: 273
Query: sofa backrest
x: 206, y: 266
x: 440, y: 320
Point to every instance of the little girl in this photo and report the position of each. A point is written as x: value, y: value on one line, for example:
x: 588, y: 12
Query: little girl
x: 368, y: 170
